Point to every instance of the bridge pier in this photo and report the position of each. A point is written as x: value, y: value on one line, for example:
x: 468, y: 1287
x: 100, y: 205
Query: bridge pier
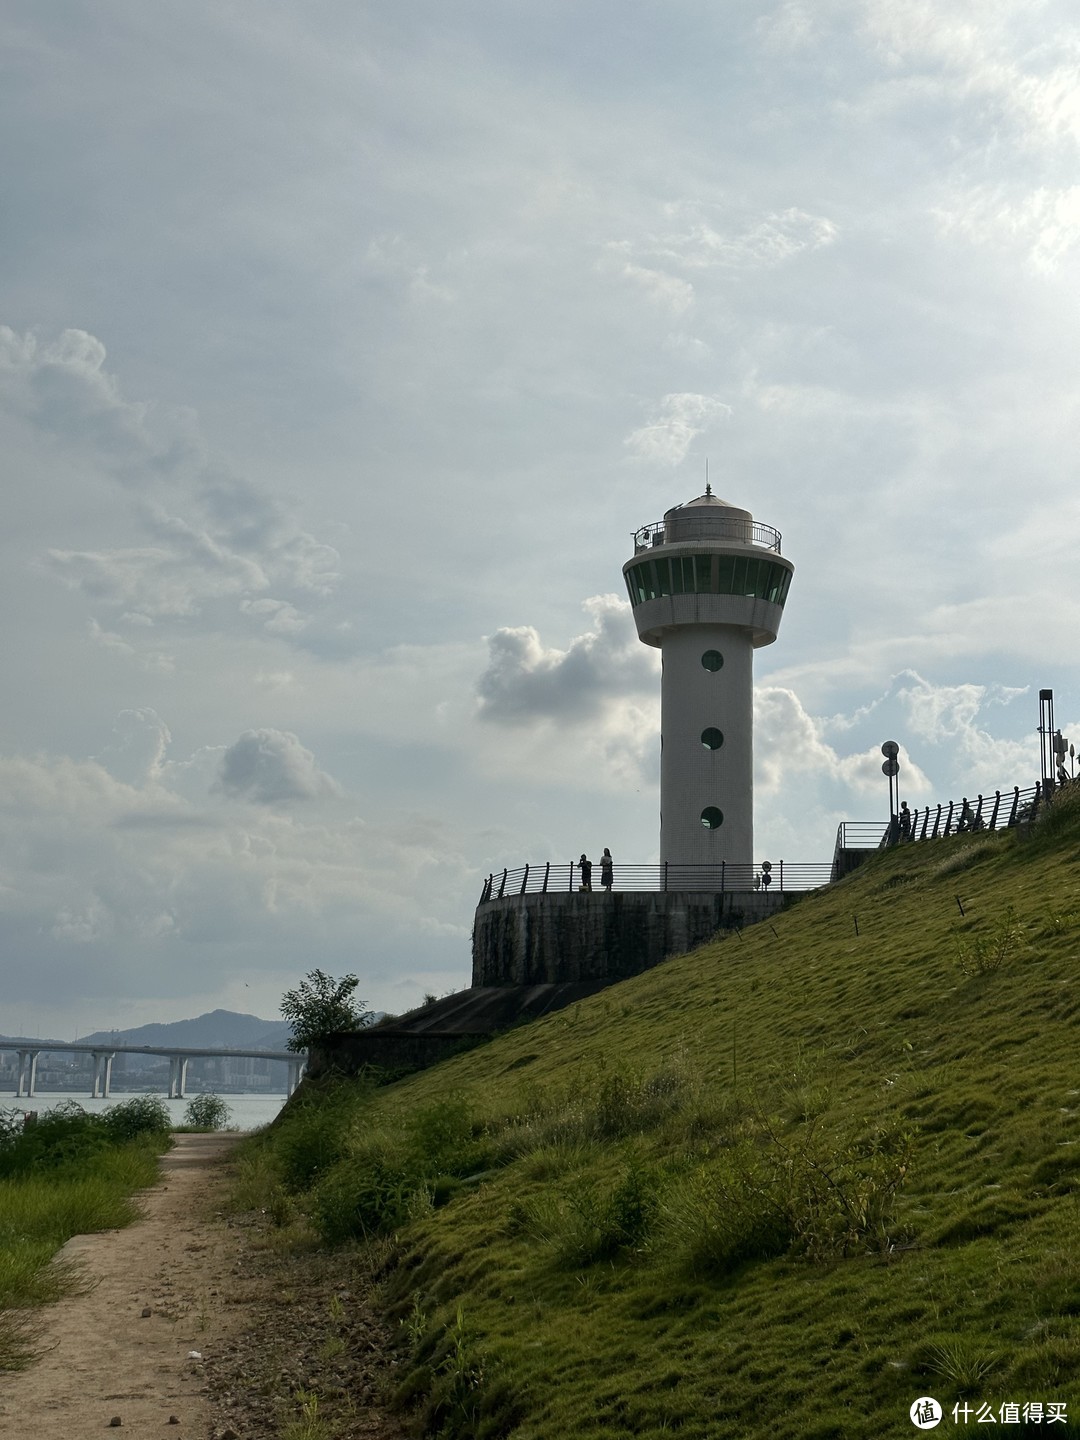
x: 296, y: 1073
x: 102, y: 1083
x: 177, y: 1076
x: 26, y: 1077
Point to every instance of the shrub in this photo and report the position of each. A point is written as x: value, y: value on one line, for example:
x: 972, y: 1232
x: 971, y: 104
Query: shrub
x: 590, y: 1222
x: 1059, y: 818
x: 822, y: 1195
x: 207, y: 1112
x: 366, y: 1194
x: 142, y: 1115
x: 61, y: 1136
x: 308, y: 1146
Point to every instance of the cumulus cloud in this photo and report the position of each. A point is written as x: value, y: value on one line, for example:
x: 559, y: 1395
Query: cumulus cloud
x: 673, y: 427
x: 526, y: 681
x: 116, y: 888
x: 953, y: 715
x: 272, y: 767
x: 210, y: 535
x: 790, y: 749
x: 136, y: 753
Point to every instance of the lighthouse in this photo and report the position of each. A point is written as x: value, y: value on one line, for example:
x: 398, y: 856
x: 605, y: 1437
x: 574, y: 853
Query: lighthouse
x: 707, y: 585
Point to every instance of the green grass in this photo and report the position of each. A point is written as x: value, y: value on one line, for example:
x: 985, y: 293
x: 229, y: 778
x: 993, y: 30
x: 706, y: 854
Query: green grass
x: 779, y: 1187
x: 71, y: 1174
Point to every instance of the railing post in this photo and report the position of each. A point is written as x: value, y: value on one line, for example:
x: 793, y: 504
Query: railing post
x: 570, y: 887
x: 547, y: 872
x: 524, y: 881
x: 723, y: 876
x: 781, y: 863
x: 502, y: 884
x: 937, y: 822
x: 1035, y: 803
x: 978, y: 815
x: 994, y: 815
x: 665, y: 874
x: 948, y: 818
x: 1015, y: 805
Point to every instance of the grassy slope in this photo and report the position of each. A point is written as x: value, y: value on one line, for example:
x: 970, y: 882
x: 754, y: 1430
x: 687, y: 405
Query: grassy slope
x: 814, y: 1035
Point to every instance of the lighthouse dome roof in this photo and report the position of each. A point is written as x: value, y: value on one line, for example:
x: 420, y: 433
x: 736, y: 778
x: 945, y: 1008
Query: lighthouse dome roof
x: 709, y: 501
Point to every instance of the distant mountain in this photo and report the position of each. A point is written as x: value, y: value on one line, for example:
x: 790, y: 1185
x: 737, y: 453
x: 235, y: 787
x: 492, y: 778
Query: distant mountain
x: 219, y: 1030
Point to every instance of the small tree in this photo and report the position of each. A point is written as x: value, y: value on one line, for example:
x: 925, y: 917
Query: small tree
x: 320, y: 1005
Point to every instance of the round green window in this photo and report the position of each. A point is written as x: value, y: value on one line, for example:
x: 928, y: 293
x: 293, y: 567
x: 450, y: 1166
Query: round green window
x: 712, y: 818
x: 712, y: 660
x: 712, y: 738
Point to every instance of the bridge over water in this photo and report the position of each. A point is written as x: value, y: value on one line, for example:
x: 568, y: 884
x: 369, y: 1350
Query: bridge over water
x: 103, y: 1056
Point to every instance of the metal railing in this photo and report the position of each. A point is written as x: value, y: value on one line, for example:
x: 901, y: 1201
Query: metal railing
x: 782, y: 878
x: 997, y: 811
x: 650, y: 536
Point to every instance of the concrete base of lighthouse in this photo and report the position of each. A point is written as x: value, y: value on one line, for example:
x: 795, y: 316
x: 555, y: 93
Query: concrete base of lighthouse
x: 566, y: 938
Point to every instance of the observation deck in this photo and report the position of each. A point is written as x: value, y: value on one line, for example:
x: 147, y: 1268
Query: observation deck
x: 707, y: 528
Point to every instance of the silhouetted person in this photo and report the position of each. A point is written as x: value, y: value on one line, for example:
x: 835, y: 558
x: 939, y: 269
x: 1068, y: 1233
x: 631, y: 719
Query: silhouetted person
x: 607, y: 870
x: 905, y: 821
x: 586, y: 873
x: 967, y: 816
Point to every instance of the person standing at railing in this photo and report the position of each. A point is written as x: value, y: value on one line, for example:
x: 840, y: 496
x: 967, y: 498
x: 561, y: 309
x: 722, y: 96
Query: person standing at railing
x: 586, y: 872
x: 967, y: 816
x: 905, y: 821
x: 607, y: 869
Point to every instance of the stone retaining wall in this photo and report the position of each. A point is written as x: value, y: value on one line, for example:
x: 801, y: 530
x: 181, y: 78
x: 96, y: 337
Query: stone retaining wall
x: 538, y: 939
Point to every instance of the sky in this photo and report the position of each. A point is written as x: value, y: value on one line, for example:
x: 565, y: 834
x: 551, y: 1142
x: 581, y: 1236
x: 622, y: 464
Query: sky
x: 342, y: 350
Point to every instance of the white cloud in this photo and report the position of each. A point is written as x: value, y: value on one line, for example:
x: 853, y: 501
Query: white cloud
x: 271, y: 767
x: 526, y: 681
x: 137, y: 751
x: 234, y: 541
x: 674, y: 426
x: 792, y: 754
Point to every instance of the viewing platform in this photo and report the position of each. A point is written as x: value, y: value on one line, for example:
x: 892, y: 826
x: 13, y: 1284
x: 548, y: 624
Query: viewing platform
x: 712, y: 529
x: 781, y: 878
x: 534, y: 924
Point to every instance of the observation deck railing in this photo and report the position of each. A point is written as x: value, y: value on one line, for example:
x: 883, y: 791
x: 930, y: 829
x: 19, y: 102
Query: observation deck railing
x: 651, y: 536
x: 997, y: 811
x: 784, y: 877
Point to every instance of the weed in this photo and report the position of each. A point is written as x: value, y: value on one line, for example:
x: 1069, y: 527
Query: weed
x: 983, y: 954
x: 955, y: 1362
x: 331, y: 1348
x: 820, y: 1194
x: 307, y: 1425
x: 964, y: 856
x: 589, y: 1221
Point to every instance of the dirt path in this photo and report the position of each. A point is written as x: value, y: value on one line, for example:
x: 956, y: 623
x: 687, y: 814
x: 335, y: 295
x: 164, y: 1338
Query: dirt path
x: 183, y: 1279
x: 122, y: 1348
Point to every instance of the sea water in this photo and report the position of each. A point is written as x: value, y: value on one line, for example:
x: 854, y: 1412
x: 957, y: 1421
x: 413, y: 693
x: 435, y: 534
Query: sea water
x: 246, y: 1111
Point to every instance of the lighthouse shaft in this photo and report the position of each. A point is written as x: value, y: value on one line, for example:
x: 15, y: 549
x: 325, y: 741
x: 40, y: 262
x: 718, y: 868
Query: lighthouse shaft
x: 707, y: 587
x: 707, y: 748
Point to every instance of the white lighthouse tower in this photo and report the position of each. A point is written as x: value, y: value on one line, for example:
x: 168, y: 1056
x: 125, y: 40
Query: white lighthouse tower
x: 708, y: 585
